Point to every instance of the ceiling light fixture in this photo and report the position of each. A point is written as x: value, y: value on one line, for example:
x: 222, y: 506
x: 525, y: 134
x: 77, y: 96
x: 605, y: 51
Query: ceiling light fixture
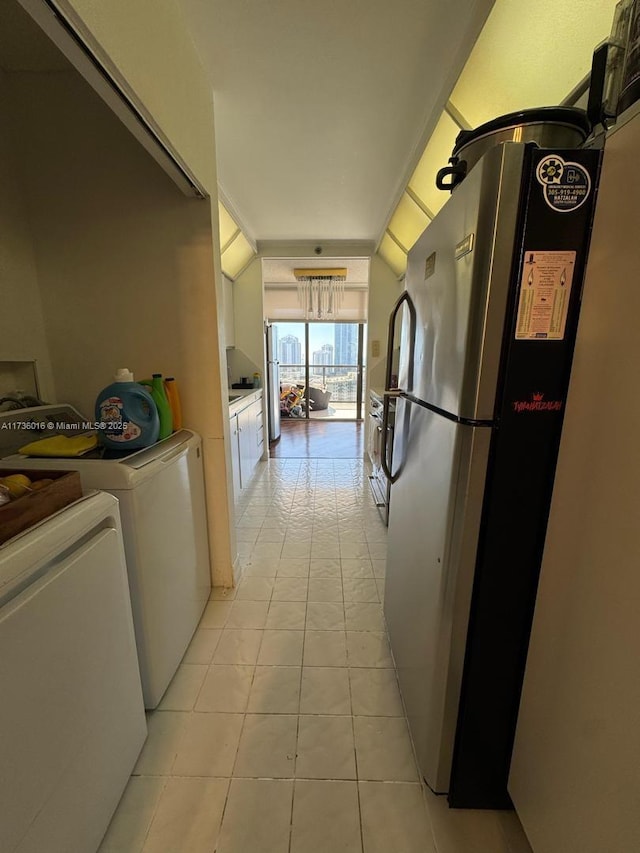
x: 321, y: 292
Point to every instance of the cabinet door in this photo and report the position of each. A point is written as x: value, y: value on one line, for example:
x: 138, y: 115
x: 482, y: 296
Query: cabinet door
x: 257, y: 430
x: 259, y: 422
x: 246, y: 440
x: 235, y: 455
x: 374, y: 429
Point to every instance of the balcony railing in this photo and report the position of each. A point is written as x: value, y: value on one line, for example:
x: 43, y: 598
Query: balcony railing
x: 340, y: 379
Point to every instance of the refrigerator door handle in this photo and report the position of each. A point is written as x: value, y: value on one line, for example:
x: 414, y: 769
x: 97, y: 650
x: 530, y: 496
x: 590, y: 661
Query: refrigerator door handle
x: 390, y: 392
x: 404, y: 297
x: 387, y: 430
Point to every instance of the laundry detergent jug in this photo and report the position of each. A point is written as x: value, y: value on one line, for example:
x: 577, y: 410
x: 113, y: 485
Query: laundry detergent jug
x: 128, y: 412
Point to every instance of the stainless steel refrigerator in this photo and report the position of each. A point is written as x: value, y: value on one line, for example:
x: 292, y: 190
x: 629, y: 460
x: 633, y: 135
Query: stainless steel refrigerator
x: 489, y: 317
x: 273, y: 382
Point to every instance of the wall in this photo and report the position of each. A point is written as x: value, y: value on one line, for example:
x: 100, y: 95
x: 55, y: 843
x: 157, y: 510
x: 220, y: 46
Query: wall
x: 148, y: 50
x: 127, y: 269
x: 384, y: 290
x: 574, y: 776
x: 22, y: 332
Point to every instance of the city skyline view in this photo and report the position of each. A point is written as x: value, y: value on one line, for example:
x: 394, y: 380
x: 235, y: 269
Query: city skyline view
x: 341, y: 338
x: 332, y: 357
x: 319, y: 333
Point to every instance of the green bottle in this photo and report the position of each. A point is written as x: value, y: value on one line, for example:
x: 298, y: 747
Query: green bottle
x: 162, y: 404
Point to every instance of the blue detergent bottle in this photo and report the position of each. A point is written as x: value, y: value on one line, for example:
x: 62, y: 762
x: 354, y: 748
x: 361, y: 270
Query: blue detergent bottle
x: 130, y: 415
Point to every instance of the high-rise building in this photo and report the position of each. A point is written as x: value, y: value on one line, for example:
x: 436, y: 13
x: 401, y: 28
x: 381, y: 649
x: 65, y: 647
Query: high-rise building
x: 346, y: 344
x: 290, y: 350
x: 324, y: 355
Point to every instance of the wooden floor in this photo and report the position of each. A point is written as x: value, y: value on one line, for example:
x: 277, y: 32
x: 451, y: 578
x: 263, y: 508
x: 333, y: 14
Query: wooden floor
x: 302, y: 439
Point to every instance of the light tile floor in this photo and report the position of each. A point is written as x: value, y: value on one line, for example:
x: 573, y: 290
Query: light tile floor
x: 283, y: 729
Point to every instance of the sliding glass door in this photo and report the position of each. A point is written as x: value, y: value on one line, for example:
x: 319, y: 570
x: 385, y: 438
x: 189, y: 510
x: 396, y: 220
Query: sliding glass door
x: 321, y: 369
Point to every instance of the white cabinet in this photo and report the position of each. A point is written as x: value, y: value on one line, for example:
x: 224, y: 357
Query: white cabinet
x: 229, y: 333
x: 258, y: 425
x: 235, y: 454
x: 246, y: 431
x: 246, y: 441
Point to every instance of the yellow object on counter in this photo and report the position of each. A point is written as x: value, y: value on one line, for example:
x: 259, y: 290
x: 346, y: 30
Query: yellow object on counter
x: 61, y: 446
x: 173, y: 396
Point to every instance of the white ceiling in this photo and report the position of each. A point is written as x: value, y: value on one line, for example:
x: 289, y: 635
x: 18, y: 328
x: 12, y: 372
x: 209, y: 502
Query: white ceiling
x: 323, y: 106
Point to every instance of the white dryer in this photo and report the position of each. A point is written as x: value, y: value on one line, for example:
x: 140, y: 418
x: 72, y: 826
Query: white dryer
x: 71, y: 714
x: 163, y: 512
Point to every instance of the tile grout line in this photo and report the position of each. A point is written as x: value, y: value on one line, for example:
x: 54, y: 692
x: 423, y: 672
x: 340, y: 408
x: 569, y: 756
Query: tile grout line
x: 295, y: 758
x: 153, y: 815
x: 242, y: 727
x: 353, y: 731
x: 290, y: 834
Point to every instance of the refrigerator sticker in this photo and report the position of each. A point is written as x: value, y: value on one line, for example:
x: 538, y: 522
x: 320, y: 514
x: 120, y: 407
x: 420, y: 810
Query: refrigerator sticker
x: 545, y: 289
x: 537, y: 403
x: 566, y: 185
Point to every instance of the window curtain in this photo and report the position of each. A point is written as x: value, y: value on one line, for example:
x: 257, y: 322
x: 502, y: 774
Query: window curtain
x: 282, y: 303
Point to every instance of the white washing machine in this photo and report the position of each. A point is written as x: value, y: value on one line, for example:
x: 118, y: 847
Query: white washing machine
x: 164, y: 526
x: 71, y: 714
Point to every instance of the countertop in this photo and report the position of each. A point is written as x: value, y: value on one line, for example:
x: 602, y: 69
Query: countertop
x: 245, y: 397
